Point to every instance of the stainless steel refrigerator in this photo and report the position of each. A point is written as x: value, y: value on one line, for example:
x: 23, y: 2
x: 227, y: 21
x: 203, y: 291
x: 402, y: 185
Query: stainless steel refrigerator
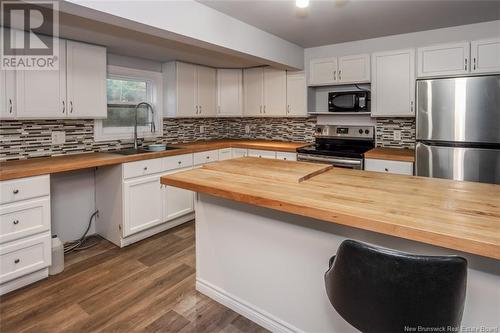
x: 458, y: 128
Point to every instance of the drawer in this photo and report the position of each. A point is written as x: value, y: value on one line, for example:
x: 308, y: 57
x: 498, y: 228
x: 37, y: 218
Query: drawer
x: 177, y: 162
x: 286, y: 156
x: 239, y: 152
x: 142, y: 168
x: 205, y: 157
x: 26, y: 218
x: 225, y: 154
x: 261, y: 153
x: 397, y: 167
x: 24, y: 256
x: 24, y: 188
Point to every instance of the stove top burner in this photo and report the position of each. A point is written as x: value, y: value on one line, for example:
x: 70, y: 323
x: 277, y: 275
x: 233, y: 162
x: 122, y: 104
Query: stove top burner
x: 340, y: 148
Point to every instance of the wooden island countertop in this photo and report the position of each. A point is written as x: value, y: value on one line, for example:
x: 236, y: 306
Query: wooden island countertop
x: 391, y: 154
x: 47, y: 165
x: 463, y: 216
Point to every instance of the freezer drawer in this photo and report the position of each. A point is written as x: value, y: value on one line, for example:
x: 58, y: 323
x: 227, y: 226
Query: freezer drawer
x: 470, y: 164
x: 465, y: 109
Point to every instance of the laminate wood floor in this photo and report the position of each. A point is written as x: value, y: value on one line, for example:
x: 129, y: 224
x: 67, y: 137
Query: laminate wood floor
x: 146, y: 287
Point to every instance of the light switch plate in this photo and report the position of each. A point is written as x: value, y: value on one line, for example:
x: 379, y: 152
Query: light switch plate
x: 397, y: 136
x: 58, y: 137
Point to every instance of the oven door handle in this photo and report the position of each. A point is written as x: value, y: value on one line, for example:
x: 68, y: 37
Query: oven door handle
x: 329, y: 160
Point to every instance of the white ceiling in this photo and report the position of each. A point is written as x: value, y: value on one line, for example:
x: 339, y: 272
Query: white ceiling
x: 337, y: 21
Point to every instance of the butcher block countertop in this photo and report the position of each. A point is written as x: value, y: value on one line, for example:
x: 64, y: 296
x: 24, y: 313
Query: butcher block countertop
x: 391, y: 154
x: 463, y: 216
x: 48, y: 165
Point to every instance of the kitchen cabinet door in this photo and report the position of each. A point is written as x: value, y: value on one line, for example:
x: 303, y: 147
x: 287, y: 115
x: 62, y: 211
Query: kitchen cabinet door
x: 261, y: 153
x: 239, y: 152
x: 253, y: 85
x: 443, y: 59
x: 186, y: 90
x: 86, y: 80
x: 323, y: 71
x: 393, y: 84
x: 296, y: 94
x: 225, y: 154
x: 206, y: 91
x: 485, y: 55
x: 354, y: 69
x: 42, y: 94
x: 395, y: 167
x: 7, y: 94
x: 229, y: 92
x: 274, y: 92
x: 142, y: 204
x: 176, y: 201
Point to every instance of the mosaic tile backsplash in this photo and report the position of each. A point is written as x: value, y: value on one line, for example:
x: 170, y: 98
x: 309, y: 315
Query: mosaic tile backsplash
x: 32, y: 138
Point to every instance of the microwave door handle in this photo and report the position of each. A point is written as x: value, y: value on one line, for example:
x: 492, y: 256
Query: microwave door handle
x: 355, y: 101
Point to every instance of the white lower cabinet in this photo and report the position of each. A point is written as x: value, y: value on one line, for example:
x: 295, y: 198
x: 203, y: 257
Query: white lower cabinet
x: 25, y: 244
x: 261, y: 153
x: 239, y: 152
x: 176, y: 201
x: 396, y: 167
x: 225, y: 154
x: 142, y: 204
x: 286, y: 156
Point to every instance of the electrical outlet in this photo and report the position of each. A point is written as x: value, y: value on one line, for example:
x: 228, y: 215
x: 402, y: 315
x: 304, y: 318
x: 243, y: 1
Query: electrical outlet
x: 247, y: 129
x: 396, y: 136
x: 202, y: 129
x: 58, y: 137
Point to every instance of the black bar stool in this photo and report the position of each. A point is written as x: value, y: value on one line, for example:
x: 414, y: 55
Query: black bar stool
x: 380, y: 290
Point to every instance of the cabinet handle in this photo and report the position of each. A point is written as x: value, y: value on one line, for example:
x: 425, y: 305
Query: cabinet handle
x: 334, y: 75
x: 179, y: 162
x: 260, y: 109
x: 145, y: 168
x: 10, y: 105
x: 16, y: 191
x: 288, y: 109
x: 386, y: 170
x: 200, y: 109
x: 465, y: 63
x: 340, y: 75
x: 411, y: 106
x: 64, y: 106
x: 196, y: 109
x: 71, y: 106
x: 16, y: 261
x: 474, y: 63
x: 264, y: 109
x: 15, y: 222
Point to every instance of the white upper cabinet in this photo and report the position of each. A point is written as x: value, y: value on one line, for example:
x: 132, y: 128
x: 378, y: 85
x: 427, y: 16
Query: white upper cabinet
x: 229, y: 92
x: 296, y: 94
x: 393, y: 84
x: 323, y: 71
x: 339, y: 70
x: 42, y: 93
x: 354, y: 69
x: 253, y: 85
x: 86, y: 80
x: 206, y: 90
x: 7, y: 94
x: 190, y: 90
x: 485, y: 55
x: 274, y: 92
x: 443, y: 59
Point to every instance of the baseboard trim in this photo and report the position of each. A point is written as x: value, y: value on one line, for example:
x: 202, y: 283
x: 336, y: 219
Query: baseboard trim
x: 154, y: 230
x: 23, y: 281
x: 245, y: 309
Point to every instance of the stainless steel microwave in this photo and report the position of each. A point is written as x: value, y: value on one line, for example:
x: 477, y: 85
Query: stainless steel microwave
x: 349, y: 101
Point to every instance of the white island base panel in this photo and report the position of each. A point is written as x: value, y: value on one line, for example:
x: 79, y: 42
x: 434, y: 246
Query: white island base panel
x: 269, y: 266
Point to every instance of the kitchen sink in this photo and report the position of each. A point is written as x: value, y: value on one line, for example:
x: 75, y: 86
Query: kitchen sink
x: 133, y: 151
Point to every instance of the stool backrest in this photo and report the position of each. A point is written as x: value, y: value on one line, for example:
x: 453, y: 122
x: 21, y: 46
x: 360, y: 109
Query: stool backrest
x: 381, y: 290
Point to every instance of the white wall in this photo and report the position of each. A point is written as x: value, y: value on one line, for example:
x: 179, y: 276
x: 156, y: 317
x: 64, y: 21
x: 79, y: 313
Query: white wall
x: 193, y: 23
x: 132, y: 62
x: 72, y: 203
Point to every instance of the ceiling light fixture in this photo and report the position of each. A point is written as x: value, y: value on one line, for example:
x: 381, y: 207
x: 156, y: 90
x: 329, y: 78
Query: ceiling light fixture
x: 302, y: 3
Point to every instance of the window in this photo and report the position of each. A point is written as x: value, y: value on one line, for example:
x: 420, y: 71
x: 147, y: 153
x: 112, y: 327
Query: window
x: 125, y: 89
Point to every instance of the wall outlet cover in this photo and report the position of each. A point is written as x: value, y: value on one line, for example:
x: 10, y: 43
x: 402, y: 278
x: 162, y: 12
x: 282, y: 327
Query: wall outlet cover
x: 247, y: 129
x: 58, y: 137
x: 397, y: 135
x: 202, y: 129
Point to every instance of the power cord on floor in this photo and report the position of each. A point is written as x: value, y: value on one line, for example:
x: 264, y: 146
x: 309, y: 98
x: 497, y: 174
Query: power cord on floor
x: 80, y: 244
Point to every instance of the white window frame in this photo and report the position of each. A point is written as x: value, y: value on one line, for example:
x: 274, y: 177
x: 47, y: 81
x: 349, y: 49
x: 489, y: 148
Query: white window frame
x: 154, y: 80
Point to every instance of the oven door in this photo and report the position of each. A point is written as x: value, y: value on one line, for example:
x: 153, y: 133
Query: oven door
x: 341, y: 162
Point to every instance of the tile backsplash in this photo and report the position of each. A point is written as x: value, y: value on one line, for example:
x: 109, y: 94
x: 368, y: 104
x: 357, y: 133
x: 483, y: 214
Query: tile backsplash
x: 32, y: 138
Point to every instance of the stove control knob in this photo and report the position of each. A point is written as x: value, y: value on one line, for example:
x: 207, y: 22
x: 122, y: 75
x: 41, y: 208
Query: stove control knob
x: 367, y: 131
x: 360, y: 131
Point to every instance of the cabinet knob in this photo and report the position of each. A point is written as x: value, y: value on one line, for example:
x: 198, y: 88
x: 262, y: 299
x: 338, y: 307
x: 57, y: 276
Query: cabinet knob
x: 145, y: 168
x: 179, y: 162
x: 16, y: 261
x: 15, y: 222
x: 207, y: 157
x: 386, y: 170
x: 16, y: 191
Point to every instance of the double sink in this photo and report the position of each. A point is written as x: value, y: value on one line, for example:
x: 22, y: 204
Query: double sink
x: 133, y: 151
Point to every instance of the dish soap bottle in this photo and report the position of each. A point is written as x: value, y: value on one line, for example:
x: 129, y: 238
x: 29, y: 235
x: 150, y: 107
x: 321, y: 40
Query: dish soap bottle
x: 57, y: 256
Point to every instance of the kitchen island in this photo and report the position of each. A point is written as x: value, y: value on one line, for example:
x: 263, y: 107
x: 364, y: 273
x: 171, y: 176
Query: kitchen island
x: 264, y: 235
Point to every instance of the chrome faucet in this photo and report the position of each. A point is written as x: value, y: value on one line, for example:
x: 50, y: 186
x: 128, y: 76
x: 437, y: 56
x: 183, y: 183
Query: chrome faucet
x: 153, y: 129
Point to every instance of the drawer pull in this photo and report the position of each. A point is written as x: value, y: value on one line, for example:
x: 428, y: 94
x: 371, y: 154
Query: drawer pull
x: 16, y: 261
x: 179, y: 162
x: 16, y: 191
x: 387, y: 170
x: 15, y: 222
x: 208, y: 157
x: 145, y: 168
